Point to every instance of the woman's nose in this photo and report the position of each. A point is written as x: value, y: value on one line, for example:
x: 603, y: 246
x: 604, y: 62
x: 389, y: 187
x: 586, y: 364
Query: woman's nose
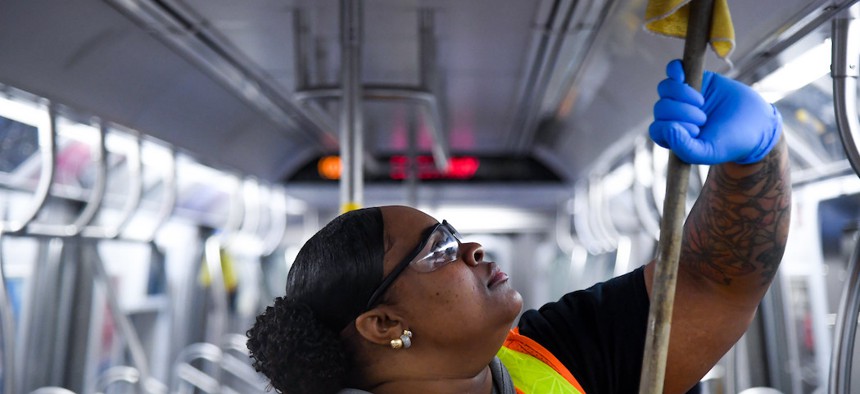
x: 473, y: 253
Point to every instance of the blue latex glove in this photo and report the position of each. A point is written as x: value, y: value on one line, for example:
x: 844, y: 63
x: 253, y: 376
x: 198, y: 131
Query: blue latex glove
x: 729, y: 122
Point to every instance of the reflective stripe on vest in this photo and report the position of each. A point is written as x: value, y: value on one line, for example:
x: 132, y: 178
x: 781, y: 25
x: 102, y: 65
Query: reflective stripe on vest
x: 534, y: 369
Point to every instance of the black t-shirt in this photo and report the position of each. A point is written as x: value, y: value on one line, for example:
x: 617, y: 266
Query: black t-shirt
x: 598, y: 333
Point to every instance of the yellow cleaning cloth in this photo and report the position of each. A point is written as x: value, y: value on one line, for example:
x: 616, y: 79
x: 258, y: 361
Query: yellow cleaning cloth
x: 669, y: 17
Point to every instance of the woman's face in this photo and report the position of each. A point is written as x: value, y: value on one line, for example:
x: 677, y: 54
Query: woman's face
x: 462, y: 302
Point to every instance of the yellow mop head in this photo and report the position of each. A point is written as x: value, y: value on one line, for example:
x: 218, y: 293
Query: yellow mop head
x: 669, y: 18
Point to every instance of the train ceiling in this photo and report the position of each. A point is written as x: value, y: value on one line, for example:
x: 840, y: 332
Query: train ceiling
x: 252, y: 85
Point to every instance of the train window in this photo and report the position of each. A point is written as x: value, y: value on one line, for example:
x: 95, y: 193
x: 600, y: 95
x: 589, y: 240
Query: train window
x: 801, y: 88
x: 19, y: 142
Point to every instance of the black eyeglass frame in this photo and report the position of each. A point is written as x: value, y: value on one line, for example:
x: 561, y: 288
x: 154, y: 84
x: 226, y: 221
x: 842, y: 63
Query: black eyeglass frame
x: 386, y: 283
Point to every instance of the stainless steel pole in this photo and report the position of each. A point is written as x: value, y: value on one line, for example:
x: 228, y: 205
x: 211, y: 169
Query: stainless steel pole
x: 845, y: 71
x: 351, y: 116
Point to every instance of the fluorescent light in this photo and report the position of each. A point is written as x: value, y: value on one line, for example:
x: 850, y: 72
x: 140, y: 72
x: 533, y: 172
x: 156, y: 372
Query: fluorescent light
x: 488, y: 219
x: 799, y: 72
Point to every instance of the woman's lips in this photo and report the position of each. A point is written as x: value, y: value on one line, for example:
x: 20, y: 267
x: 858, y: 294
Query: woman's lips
x: 497, y: 277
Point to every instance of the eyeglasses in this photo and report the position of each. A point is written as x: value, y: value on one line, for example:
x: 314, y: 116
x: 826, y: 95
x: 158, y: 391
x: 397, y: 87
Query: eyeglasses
x: 439, y: 246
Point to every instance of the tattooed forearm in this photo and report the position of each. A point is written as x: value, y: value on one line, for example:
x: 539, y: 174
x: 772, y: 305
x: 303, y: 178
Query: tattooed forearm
x: 738, y: 227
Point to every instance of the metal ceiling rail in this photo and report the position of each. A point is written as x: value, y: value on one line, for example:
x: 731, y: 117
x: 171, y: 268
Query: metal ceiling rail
x: 302, y: 64
x: 434, y: 104
x: 393, y: 93
x: 540, y: 71
x: 538, y: 90
x: 845, y: 71
x: 801, y: 25
x: 424, y: 95
x: 189, y: 38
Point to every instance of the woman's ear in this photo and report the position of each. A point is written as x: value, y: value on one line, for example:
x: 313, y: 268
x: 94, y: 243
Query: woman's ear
x: 380, y: 325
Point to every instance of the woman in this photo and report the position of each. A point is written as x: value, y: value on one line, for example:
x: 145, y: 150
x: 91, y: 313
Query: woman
x: 388, y: 300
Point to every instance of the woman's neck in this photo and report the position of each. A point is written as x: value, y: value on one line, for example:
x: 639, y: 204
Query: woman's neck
x: 482, y: 383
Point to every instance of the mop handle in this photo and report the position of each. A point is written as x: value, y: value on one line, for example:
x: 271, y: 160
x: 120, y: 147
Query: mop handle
x: 677, y: 178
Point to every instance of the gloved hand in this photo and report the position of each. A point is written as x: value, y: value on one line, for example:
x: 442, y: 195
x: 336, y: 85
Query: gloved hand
x: 727, y: 122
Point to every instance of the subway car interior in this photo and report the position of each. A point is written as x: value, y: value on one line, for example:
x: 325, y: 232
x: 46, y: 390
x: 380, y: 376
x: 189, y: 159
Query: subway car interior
x: 162, y: 162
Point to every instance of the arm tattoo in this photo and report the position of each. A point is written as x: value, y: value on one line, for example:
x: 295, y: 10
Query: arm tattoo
x: 739, y: 224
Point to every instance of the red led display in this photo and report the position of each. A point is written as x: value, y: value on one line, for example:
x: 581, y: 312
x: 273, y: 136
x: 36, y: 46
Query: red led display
x: 461, y: 167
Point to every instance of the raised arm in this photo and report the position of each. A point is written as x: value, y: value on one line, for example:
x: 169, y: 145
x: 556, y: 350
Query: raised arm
x: 735, y: 235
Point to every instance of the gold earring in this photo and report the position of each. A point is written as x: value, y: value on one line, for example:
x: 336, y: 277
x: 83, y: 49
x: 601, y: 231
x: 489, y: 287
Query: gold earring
x: 404, y: 342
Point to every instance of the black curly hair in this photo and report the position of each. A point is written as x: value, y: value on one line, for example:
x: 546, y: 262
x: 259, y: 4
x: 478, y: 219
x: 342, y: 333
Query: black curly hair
x: 296, y: 342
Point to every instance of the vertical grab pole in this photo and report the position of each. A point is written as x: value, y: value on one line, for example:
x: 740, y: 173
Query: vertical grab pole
x: 677, y: 179
x: 845, y: 71
x: 351, y: 109
x: 7, y: 324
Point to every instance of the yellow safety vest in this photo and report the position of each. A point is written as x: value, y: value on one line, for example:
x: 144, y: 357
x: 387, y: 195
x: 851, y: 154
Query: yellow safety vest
x: 534, y: 369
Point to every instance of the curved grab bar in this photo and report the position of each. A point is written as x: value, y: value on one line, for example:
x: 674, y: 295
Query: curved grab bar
x: 185, y: 372
x: 235, y: 342
x: 641, y: 205
x: 171, y: 193
x: 845, y: 71
x: 239, y: 367
x: 88, y: 213
x: 135, y: 176
x: 580, y: 218
x: 236, y: 210
x: 116, y: 374
x: 48, y: 151
x: 563, y: 227
x: 251, y: 206
x: 607, y: 234
x: 278, y: 221
x: 52, y: 390
x: 7, y: 323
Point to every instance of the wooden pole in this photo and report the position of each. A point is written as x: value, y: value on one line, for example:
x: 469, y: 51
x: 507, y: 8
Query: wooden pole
x: 674, y: 207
